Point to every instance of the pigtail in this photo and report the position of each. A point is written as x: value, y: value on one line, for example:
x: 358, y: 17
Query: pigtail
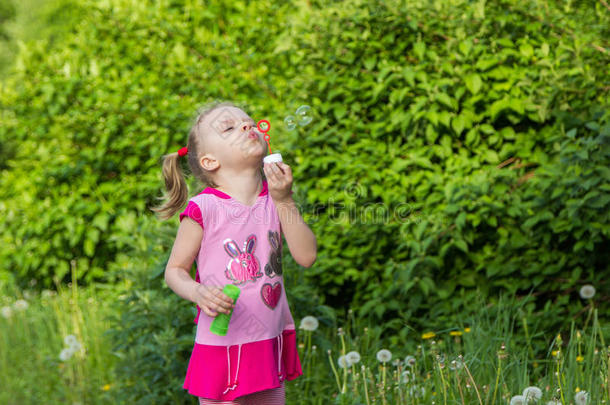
x: 175, y: 185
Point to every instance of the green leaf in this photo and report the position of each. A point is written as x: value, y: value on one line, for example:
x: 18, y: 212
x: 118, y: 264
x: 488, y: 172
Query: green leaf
x: 473, y: 83
x: 444, y: 99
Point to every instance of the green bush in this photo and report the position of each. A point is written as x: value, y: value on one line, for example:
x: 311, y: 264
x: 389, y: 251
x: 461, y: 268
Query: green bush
x: 415, y: 207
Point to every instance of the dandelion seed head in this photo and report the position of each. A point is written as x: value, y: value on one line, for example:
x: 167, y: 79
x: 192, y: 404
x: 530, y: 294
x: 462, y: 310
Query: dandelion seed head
x: 70, y: 340
x: 65, y: 354
x: 581, y: 398
x: 410, y: 361
x: 7, y: 312
x: 518, y: 400
x: 353, y: 357
x: 532, y: 393
x: 587, y: 292
x: 343, y: 362
x: 309, y: 323
x: 384, y: 355
x: 20, y: 305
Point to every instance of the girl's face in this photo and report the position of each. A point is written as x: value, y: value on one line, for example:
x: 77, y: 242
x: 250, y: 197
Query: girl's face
x: 231, y: 137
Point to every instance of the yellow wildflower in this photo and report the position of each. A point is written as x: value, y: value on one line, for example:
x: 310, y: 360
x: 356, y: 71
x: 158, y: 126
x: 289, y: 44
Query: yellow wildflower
x: 467, y: 330
x: 579, y: 359
x: 428, y: 335
x: 555, y: 353
x: 455, y: 333
x: 106, y: 387
x: 577, y: 389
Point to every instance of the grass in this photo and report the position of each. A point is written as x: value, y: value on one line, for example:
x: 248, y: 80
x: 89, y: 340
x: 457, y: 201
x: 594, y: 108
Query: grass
x: 485, y: 363
x: 488, y: 361
x: 33, y: 337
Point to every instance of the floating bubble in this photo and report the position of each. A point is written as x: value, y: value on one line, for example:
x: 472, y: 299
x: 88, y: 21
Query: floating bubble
x: 304, y: 115
x: 290, y: 122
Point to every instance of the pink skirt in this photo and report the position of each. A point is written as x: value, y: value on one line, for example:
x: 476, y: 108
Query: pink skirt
x: 215, y: 374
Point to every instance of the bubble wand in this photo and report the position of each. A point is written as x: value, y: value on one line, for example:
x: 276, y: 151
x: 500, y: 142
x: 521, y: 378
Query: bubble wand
x: 264, y: 126
x: 220, y: 324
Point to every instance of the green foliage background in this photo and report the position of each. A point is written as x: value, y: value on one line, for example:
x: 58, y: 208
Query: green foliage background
x: 458, y: 148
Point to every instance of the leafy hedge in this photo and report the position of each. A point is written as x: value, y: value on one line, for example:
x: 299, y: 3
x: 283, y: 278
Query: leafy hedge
x: 471, y: 137
x: 459, y: 150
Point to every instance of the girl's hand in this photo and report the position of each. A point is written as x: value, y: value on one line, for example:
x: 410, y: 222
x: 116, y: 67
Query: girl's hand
x: 279, y: 176
x: 212, y: 300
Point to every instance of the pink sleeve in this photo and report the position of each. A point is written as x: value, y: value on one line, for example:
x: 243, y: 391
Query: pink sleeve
x: 192, y: 211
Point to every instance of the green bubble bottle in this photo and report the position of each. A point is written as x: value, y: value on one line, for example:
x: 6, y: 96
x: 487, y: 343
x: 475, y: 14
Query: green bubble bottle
x: 220, y: 324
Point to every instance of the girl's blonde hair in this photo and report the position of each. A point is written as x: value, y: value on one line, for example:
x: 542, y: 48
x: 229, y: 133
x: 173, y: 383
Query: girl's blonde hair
x: 175, y: 183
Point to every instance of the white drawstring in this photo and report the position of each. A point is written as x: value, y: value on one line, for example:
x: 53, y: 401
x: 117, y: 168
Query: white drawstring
x: 281, y: 345
x: 229, y: 387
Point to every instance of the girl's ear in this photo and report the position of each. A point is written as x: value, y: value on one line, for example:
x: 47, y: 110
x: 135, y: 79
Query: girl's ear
x: 231, y: 248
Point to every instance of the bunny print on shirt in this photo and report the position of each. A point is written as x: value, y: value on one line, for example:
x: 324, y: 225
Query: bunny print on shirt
x: 244, y: 266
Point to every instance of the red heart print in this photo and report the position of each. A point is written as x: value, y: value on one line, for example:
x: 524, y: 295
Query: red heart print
x: 271, y: 294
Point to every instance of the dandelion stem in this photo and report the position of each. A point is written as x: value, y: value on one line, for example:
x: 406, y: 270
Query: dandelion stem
x: 459, y: 384
x: 332, y: 364
x: 563, y: 401
x: 474, y: 384
x: 443, y: 382
x: 366, y: 391
x: 344, y: 364
x: 400, y: 385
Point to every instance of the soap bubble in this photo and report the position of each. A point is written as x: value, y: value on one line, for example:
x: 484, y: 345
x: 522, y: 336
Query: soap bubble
x: 290, y: 122
x: 304, y: 115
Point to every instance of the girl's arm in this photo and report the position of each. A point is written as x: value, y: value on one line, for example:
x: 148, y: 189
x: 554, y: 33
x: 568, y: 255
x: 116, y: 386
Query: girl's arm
x: 186, y: 247
x: 300, y: 238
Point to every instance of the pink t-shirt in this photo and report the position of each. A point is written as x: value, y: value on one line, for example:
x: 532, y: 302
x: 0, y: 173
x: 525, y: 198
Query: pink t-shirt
x: 241, y: 245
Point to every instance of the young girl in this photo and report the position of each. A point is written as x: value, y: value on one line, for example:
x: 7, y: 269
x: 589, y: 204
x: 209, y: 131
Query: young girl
x: 233, y: 230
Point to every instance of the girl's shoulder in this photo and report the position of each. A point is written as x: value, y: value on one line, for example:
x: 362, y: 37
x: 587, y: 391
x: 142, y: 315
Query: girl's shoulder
x: 197, y: 207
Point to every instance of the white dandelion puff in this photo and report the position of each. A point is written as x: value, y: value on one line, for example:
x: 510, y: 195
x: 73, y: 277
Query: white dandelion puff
x: 309, y: 323
x: 353, y: 357
x: 65, y: 354
x: 28, y: 294
x: 7, y: 312
x: 384, y: 355
x: 518, y: 400
x: 70, y: 340
x: 343, y: 362
x: 587, y: 292
x: 553, y: 403
x: 20, y: 305
x: 76, y: 346
x: 581, y: 398
x: 532, y: 393
x: 456, y: 364
x: 46, y: 293
x: 410, y: 361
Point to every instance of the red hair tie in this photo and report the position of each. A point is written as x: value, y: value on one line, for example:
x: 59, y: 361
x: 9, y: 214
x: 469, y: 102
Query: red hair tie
x: 183, y: 151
